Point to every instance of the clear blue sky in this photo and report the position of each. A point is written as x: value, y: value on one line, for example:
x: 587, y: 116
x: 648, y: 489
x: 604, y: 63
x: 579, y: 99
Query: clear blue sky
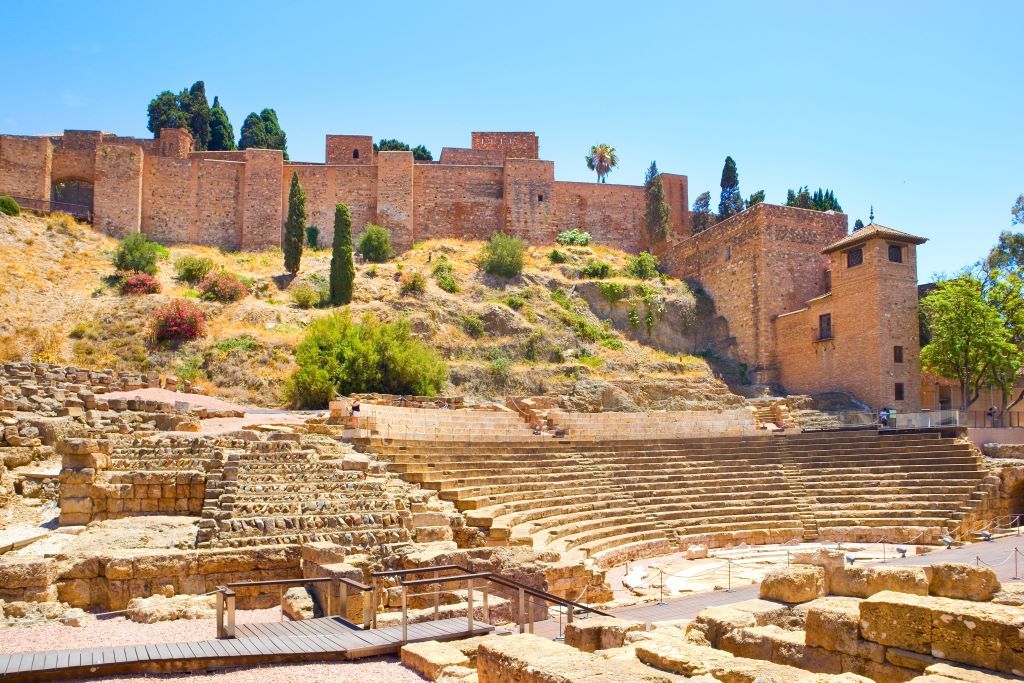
x: 915, y: 107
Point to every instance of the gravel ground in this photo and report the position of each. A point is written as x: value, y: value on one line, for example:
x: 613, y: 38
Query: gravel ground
x: 121, y: 631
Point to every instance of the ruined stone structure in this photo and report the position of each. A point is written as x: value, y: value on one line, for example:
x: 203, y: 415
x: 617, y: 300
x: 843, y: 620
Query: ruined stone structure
x: 238, y: 200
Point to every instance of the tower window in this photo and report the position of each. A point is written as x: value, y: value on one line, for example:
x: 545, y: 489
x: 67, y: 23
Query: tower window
x: 728, y: 253
x: 854, y: 257
x: 828, y: 280
x: 897, y: 354
x: 540, y: 198
x: 895, y: 253
x: 899, y: 391
x: 355, y: 154
x: 824, y: 326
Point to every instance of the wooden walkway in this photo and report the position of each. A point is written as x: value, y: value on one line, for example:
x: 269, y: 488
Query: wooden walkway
x: 265, y: 643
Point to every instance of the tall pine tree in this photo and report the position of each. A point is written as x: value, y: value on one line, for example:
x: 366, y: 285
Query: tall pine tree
x: 656, y: 211
x: 294, y: 226
x: 702, y: 218
x: 343, y: 271
x: 197, y: 108
x: 731, y: 203
x: 222, y: 135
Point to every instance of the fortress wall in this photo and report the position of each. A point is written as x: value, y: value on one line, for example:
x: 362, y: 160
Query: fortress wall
x: 341, y: 148
x: 530, y: 204
x: 472, y: 157
x: 356, y: 187
x: 677, y: 198
x: 25, y: 166
x: 612, y: 214
x: 84, y: 140
x: 463, y: 202
x: 316, y: 183
x: 167, y: 206
x: 395, y: 197
x: 218, y: 211
x: 219, y: 156
x: 117, y: 190
x: 262, y: 218
x: 72, y: 164
x: 512, y: 145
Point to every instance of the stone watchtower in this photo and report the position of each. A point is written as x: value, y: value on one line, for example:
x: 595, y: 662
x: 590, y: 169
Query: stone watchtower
x: 861, y: 336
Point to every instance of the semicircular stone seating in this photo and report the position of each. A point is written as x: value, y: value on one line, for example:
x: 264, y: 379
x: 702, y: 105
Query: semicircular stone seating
x: 619, y: 486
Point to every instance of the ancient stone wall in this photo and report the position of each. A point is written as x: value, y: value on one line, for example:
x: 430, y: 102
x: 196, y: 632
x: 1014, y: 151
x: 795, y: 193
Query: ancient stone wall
x: 262, y: 218
x: 25, y: 166
x: 395, y: 197
x: 512, y: 145
x: 472, y: 157
x: 167, y: 199
x: 218, y: 214
x: 129, y: 494
x: 529, y: 192
x: 117, y: 189
x: 612, y: 214
x: 463, y: 202
x: 350, y: 149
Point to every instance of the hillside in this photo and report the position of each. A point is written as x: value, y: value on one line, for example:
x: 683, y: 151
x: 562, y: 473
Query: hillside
x: 547, y: 331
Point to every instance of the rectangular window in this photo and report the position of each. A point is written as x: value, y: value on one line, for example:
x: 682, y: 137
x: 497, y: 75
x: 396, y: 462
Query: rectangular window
x: 854, y: 257
x: 899, y: 391
x: 828, y: 280
x: 825, y: 326
x: 728, y: 253
x: 897, y: 354
x: 895, y: 253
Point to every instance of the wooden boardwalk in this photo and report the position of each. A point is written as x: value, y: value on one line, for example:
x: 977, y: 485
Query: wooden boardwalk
x: 263, y: 643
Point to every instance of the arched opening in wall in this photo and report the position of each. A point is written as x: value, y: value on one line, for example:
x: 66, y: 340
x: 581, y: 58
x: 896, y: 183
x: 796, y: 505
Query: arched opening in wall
x: 355, y: 154
x: 72, y: 196
x: 1016, y: 505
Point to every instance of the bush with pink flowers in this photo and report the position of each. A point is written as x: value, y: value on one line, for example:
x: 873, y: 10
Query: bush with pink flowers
x: 138, y: 283
x: 223, y: 286
x: 177, y: 321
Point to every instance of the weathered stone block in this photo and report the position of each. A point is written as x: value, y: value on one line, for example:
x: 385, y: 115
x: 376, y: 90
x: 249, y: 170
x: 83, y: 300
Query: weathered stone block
x: 431, y: 658
x: 863, y: 582
x: 27, y: 572
x: 796, y: 583
x: 599, y: 633
x: 833, y: 623
x: 712, y: 623
x: 962, y: 581
x: 898, y: 620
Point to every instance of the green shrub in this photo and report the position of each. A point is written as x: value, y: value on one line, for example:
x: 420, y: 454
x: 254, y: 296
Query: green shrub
x: 223, y: 286
x: 556, y: 256
x: 612, y: 292
x: 236, y: 344
x: 514, y: 302
x: 643, y: 266
x: 500, y: 369
x: 192, y: 269
x: 575, y: 237
x: 375, y: 244
x: 413, y: 282
x: 503, y: 255
x: 596, y: 269
x: 445, y: 276
x: 561, y: 298
x: 473, y: 326
x: 9, y: 206
x: 371, y: 271
x: 136, y: 253
x: 312, y: 237
x: 339, y: 355
x: 189, y: 367
x: 305, y: 296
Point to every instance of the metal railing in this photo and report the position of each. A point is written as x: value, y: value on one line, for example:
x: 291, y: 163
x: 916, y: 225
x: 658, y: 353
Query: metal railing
x: 80, y: 211
x: 485, y: 583
x: 864, y: 419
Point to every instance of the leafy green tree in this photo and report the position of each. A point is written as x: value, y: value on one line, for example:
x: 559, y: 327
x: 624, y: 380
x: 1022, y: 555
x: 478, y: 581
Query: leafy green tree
x: 165, y: 112
x: 656, y: 212
x: 1017, y: 211
x: 263, y: 131
x: 343, y: 271
x: 391, y: 145
x: 421, y: 153
x: 755, y: 198
x: 222, y: 135
x: 858, y: 225
x: 602, y: 159
x: 342, y: 356
x: 968, y: 338
x: 294, y: 226
x: 730, y: 202
x: 702, y: 218
x: 136, y: 254
x: 196, y: 107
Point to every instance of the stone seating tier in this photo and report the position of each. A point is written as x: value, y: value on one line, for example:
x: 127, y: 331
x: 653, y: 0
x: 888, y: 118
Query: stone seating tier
x: 625, y: 497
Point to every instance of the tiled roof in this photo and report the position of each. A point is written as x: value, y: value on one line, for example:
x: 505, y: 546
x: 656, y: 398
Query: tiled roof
x: 870, y: 231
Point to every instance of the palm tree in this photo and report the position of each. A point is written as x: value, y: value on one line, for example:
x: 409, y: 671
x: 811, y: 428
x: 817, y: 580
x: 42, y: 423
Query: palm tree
x: 602, y: 159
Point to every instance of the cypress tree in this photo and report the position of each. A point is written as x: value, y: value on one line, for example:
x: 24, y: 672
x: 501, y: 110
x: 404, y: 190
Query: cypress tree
x: 343, y: 271
x: 263, y: 131
x: 197, y: 109
x: 702, y: 218
x: 656, y: 211
x: 730, y: 203
x: 295, y: 226
x: 222, y: 135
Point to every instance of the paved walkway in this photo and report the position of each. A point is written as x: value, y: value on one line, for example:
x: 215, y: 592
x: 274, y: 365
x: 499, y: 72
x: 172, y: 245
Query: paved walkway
x: 998, y: 554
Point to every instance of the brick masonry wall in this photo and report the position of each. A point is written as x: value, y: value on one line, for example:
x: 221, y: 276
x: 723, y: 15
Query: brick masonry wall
x: 117, y: 189
x: 512, y: 145
x: 530, y: 203
x: 463, y: 202
x: 395, y: 196
x: 472, y: 157
x: 167, y: 199
x: 127, y: 494
x: 340, y: 149
x: 72, y: 164
x: 25, y: 166
x: 677, y: 198
x: 262, y: 218
x: 218, y: 211
x: 612, y: 214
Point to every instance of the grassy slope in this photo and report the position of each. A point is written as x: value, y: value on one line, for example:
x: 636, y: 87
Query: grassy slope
x: 55, y: 307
